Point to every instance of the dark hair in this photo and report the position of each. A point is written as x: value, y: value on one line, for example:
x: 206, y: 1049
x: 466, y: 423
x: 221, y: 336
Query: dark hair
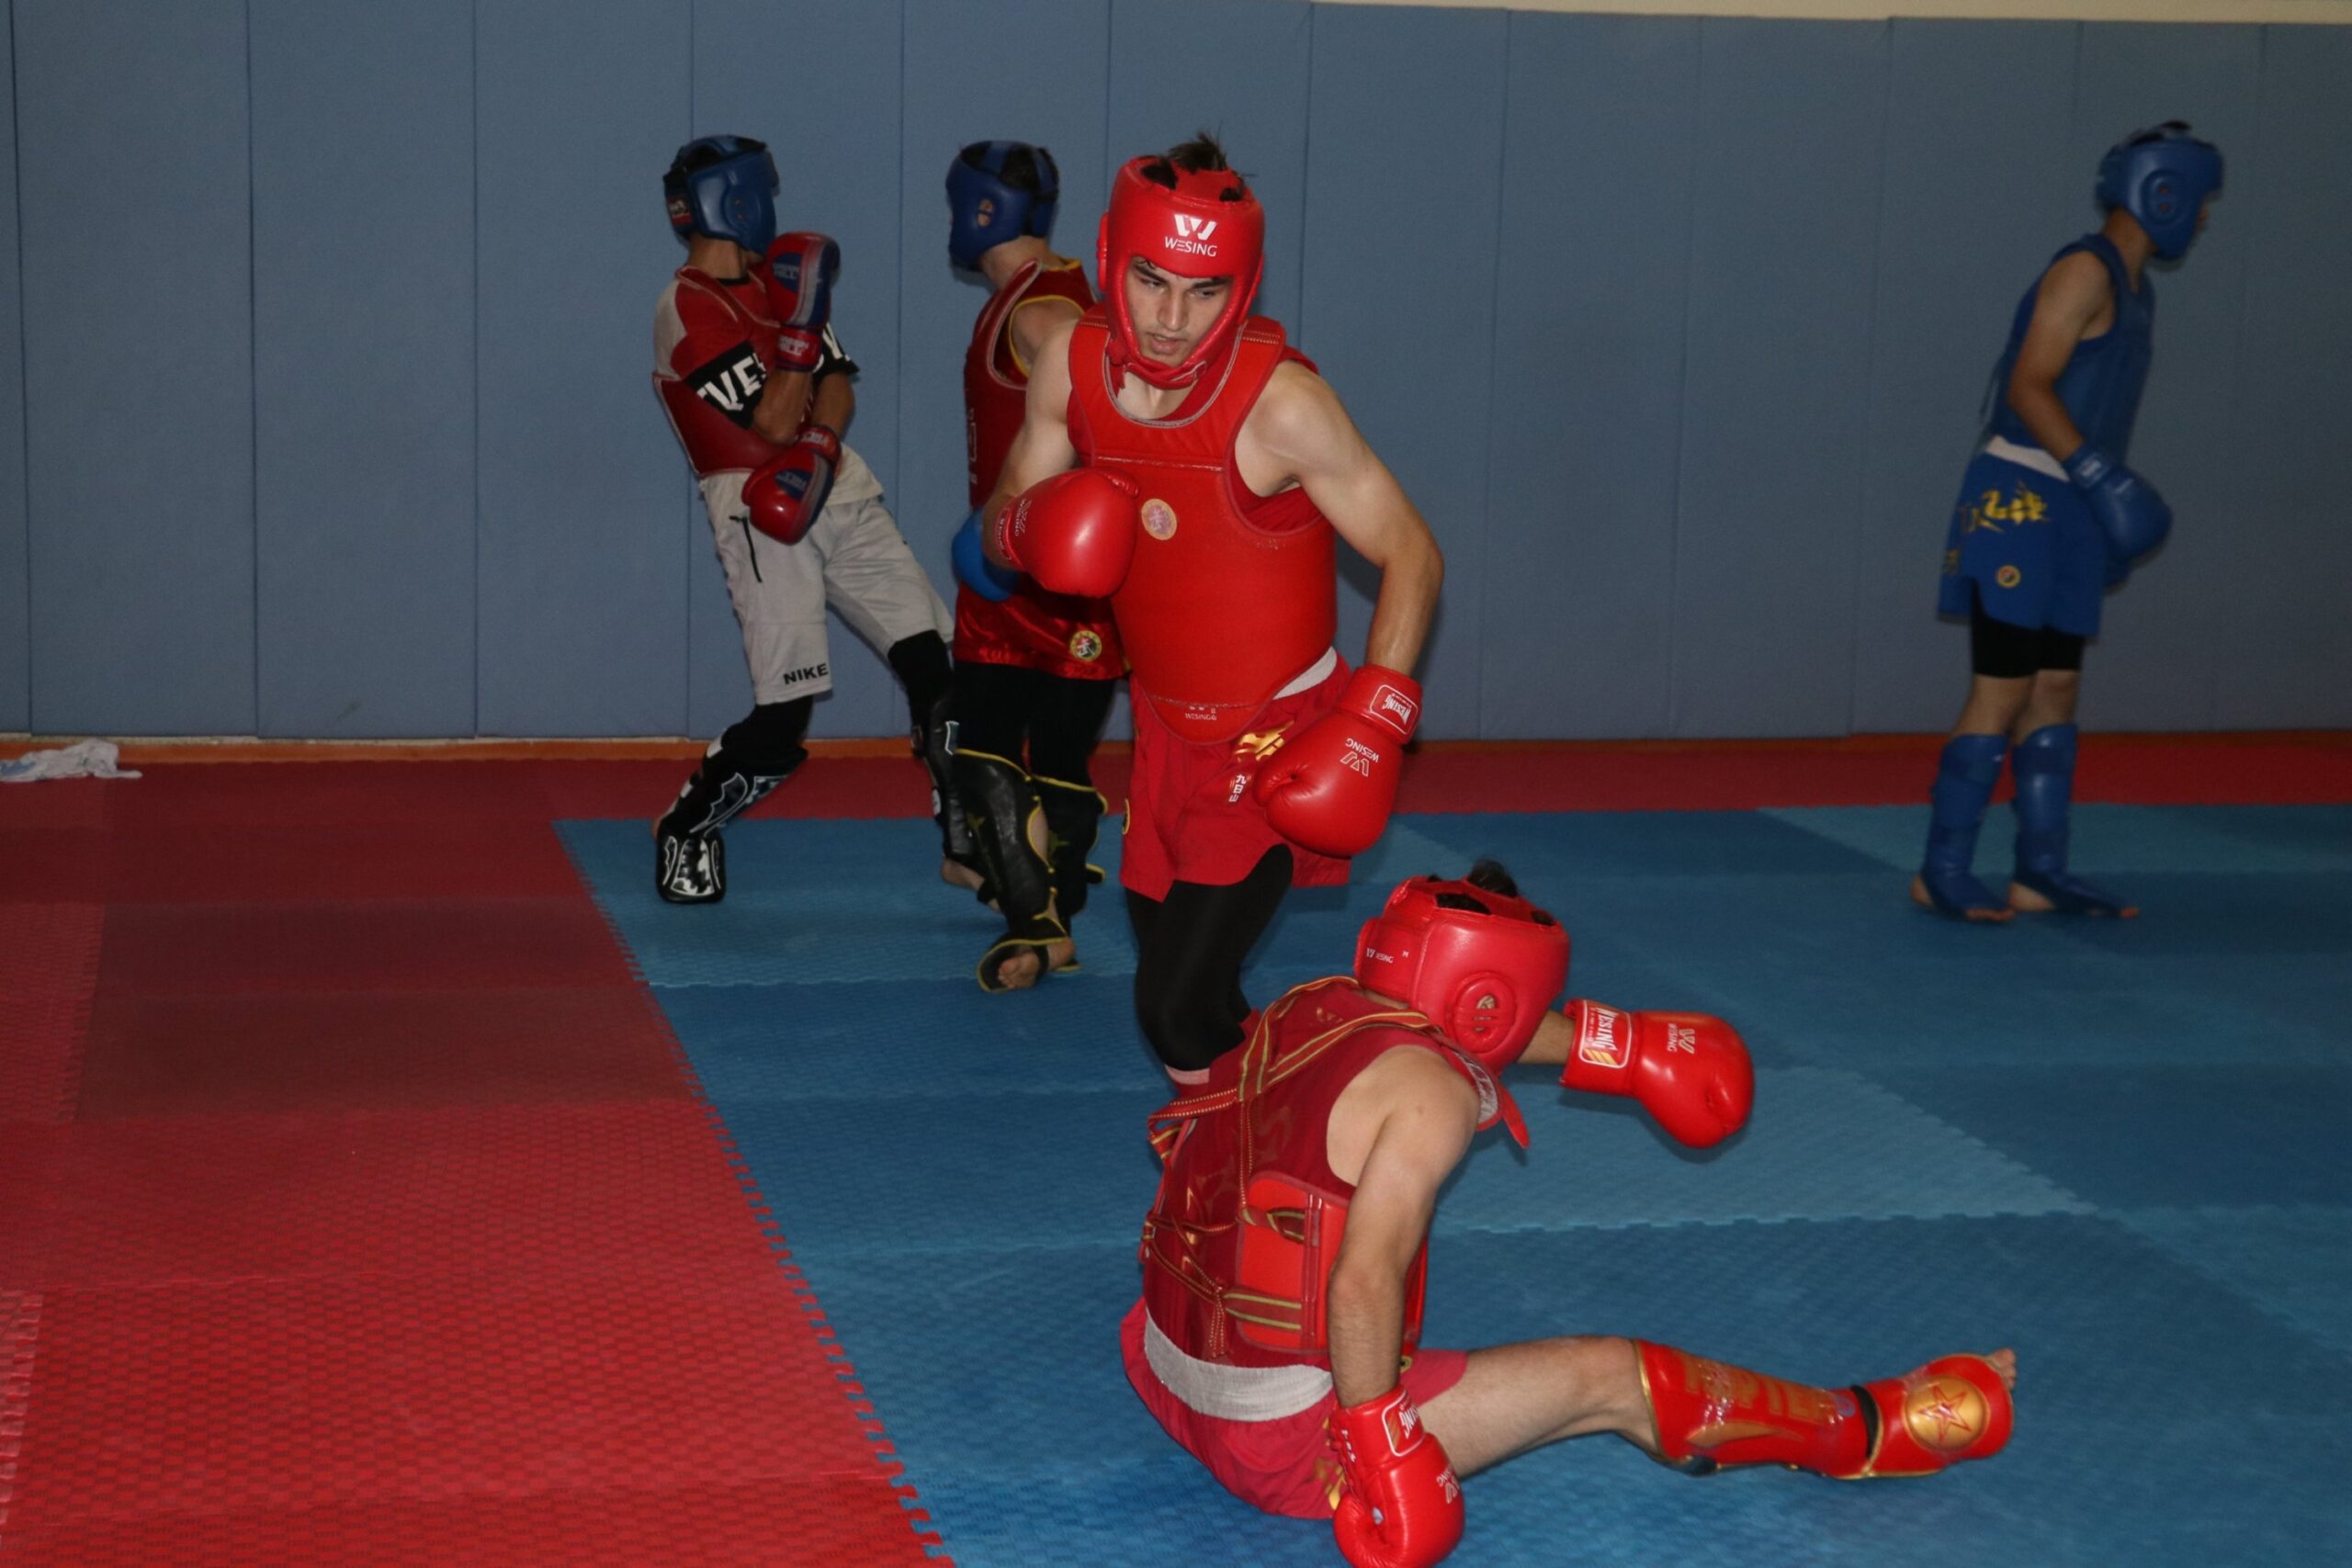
x: 1020, y: 169
x: 1201, y: 154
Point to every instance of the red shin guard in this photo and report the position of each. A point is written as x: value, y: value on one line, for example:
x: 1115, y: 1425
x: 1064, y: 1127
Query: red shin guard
x: 1710, y: 1416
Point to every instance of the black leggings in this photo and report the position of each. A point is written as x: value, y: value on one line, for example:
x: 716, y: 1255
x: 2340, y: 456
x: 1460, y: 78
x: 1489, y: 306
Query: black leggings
x: 1189, y: 951
x: 1002, y: 709
x: 2003, y: 653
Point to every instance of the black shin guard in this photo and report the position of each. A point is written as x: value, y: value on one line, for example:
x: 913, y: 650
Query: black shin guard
x: 740, y: 769
x: 922, y: 665
x: 1009, y: 833
x: 1073, y: 816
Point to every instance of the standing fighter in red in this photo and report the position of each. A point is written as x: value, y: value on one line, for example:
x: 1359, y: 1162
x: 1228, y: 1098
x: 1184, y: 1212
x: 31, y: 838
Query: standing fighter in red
x: 1278, y: 1339
x: 1034, y: 671
x: 1213, y: 469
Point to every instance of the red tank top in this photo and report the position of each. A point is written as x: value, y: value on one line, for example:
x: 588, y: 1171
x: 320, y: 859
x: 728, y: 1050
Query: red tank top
x: 1266, y: 1112
x: 1075, y: 638
x: 1232, y: 595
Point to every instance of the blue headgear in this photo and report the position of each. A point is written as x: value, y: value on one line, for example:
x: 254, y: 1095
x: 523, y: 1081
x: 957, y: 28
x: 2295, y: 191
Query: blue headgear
x: 723, y: 186
x: 2161, y: 178
x: 987, y: 210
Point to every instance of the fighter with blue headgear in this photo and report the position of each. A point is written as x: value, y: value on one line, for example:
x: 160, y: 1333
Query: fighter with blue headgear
x: 725, y: 187
x: 2048, y: 519
x: 998, y: 191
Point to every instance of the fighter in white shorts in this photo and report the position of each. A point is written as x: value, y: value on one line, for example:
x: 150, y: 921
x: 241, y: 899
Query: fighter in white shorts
x: 758, y: 390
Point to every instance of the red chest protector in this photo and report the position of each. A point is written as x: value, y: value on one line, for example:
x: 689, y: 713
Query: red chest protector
x: 1232, y: 595
x: 1239, y: 1247
x: 710, y: 387
x: 1074, y: 638
x: 995, y: 390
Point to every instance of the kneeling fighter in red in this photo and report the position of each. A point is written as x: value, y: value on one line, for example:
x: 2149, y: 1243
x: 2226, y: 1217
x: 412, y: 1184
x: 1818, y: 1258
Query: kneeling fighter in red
x: 1278, y: 1339
x: 1214, y: 471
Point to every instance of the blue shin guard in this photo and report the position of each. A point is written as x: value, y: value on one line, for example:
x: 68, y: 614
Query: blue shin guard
x: 2045, y: 776
x: 1964, y: 780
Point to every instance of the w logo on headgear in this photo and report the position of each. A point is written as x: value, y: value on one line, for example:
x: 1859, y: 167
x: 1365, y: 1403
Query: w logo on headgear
x: 1191, y: 228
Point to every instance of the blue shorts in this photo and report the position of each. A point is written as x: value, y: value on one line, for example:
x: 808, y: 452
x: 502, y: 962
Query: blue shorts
x: 2028, y: 548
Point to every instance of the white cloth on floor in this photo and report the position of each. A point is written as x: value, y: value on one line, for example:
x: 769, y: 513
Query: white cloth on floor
x: 82, y: 760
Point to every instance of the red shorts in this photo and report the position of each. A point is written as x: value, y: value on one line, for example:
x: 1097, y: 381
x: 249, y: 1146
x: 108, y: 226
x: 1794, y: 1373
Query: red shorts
x: 1190, y: 814
x: 1284, y: 1466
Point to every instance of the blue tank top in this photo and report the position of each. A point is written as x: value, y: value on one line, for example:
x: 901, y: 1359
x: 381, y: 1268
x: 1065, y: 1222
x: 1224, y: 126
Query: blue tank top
x: 2104, y: 376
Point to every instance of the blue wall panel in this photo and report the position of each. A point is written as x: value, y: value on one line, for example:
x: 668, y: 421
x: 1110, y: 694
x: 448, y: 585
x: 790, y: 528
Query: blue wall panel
x: 1399, y: 311
x: 141, y: 441
x: 2153, y: 666
x: 1023, y: 70
x: 1781, y: 267
x: 2285, y: 643
x: 834, y: 129
x: 364, y: 483
x: 582, y: 576
x: 16, y: 590
x: 1980, y: 188
x: 1588, y: 386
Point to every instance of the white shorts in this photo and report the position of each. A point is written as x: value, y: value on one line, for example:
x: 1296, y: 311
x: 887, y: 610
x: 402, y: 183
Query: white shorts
x: 855, y: 560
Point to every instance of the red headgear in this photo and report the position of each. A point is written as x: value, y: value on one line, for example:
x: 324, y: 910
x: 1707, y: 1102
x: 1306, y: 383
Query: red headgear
x: 1482, y: 976
x: 1193, y: 231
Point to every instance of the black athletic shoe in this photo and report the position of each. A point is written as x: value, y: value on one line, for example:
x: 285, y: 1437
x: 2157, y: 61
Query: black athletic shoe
x: 688, y: 869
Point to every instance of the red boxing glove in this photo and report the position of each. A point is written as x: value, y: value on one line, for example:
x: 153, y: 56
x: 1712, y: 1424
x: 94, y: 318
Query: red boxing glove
x: 1689, y: 1070
x: 1332, y: 789
x: 1402, y: 1508
x: 785, y: 493
x: 1074, y: 532
x: 799, y: 274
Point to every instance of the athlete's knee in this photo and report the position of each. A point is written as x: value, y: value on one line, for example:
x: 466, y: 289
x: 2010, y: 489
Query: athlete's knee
x: 768, y: 739
x: 2056, y: 686
x: 921, y: 663
x: 1188, y: 1026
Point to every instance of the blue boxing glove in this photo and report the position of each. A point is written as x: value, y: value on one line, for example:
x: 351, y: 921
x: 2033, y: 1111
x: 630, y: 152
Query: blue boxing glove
x: 974, y: 569
x: 2130, y: 513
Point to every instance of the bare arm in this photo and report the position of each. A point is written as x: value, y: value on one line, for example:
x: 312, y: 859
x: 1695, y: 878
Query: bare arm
x: 2074, y: 293
x: 784, y: 406
x: 1554, y: 1035
x: 1427, y: 1115
x: 832, y: 404
x: 1043, y: 449
x: 1033, y: 324
x: 1300, y: 429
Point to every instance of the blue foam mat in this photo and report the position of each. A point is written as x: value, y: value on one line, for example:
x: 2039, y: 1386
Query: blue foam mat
x: 2115, y: 1146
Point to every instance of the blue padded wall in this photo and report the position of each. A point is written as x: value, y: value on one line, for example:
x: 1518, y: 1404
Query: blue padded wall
x: 377, y: 454
x: 364, y: 486
x: 1960, y: 238
x: 140, y: 443
x: 2153, y: 666
x: 1598, y: 157
x: 16, y: 586
x: 582, y: 573
x: 1370, y: 194
x: 834, y: 132
x: 1781, y: 261
x: 2289, y: 555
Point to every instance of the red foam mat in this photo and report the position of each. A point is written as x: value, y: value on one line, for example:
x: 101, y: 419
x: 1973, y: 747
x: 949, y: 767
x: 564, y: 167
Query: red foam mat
x: 49, y: 972
x: 181, y: 1054
x: 296, y: 1393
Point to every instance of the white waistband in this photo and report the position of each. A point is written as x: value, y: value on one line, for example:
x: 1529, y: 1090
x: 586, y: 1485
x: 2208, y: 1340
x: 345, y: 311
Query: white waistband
x: 2033, y: 458
x: 1313, y: 676
x: 1232, y: 1393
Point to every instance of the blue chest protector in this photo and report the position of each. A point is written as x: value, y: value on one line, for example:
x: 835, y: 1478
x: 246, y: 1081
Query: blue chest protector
x: 2104, y: 376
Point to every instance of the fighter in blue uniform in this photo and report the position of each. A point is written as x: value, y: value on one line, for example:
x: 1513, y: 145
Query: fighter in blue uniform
x: 2048, y: 519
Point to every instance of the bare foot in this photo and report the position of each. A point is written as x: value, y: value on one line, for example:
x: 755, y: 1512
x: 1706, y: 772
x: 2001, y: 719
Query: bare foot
x: 1991, y: 917
x: 955, y: 873
x: 2026, y: 900
x: 1024, y: 968
x: 2005, y: 1361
